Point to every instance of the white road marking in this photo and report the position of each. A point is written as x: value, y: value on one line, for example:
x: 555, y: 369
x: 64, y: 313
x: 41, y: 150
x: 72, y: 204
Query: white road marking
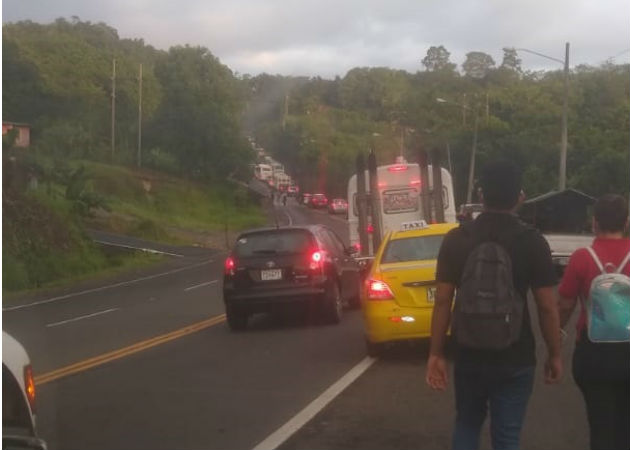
x: 275, y: 439
x: 102, y: 288
x: 289, y: 217
x: 143, y: 249
x: 74, y: 319
x: 200, y: 285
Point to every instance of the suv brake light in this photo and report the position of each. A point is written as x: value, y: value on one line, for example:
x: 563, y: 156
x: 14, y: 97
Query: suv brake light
x: 29, y: 386
x: 230, y: 265
x: 317, y: 260
x: 379, y: 290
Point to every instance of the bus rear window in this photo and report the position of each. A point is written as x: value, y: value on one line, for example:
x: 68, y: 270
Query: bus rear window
x: 397, y: 201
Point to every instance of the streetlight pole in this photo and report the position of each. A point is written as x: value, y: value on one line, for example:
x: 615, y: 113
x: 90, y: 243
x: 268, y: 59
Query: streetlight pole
x: 562, y: 182
x: 473, y: 152
x: 562, y: 175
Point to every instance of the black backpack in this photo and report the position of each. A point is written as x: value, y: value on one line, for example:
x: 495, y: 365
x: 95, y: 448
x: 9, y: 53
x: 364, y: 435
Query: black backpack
x: 488, y: 311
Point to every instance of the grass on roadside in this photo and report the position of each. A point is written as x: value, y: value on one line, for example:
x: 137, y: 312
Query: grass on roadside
x: 168, y: 201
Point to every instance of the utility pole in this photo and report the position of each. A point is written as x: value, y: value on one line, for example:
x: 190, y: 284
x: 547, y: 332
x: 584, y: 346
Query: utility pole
x: 464, y: 107
x: 562, y: 179
x: 487, y: 107
x: 113, y: 106
x: 471, y: 169
x: 140, y: 117
x: 562, y: 175
x: 285, y: 111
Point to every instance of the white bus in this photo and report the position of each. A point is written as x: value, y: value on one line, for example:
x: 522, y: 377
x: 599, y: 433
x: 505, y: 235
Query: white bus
x: 399, y: 187
x: 263, y: 172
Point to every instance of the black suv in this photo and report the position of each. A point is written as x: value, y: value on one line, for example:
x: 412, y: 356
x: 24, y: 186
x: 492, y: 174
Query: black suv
x: 272, y: 267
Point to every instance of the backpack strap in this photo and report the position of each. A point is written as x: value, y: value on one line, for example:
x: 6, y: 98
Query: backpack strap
x: 625, y: 261
x: 596, y: 259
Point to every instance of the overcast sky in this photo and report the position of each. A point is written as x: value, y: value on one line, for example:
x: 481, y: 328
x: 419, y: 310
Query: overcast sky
x: 329, y: 37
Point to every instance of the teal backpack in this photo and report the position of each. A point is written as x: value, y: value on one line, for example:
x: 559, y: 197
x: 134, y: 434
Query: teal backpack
x: 608, y: 304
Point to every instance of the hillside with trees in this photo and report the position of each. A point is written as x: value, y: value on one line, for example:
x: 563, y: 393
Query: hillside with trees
x: 321, y: 124
x: 196, y: 112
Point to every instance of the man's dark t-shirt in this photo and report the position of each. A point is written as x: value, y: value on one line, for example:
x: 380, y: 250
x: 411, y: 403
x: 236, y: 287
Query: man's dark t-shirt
x: 531, y: 265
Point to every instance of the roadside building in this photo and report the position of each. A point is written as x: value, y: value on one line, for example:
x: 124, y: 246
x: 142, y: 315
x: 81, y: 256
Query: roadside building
x: 23, y: 136
x: 565, y: 211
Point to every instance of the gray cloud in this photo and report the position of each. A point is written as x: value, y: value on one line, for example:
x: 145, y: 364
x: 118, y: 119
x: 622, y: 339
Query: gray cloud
x: 328, y: 37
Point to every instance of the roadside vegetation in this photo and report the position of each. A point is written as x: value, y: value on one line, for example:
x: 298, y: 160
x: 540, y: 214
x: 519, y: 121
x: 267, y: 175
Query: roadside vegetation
x: 48, y: 205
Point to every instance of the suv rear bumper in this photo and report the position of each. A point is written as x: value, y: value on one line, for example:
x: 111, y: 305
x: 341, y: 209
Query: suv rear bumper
x: 265, y: 300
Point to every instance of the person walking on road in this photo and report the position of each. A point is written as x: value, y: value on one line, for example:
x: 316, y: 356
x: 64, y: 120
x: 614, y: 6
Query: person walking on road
x: 492, y: 262
x: 601, y: 369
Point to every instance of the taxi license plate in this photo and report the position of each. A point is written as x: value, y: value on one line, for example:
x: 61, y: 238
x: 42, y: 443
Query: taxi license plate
x: 431, y: 295
x: 270, y: 275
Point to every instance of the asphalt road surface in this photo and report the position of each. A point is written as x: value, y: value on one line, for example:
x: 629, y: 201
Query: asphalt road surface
x: 146, y: 361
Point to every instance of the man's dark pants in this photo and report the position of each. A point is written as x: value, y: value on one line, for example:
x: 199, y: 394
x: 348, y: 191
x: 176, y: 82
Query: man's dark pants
x: 505, y: 390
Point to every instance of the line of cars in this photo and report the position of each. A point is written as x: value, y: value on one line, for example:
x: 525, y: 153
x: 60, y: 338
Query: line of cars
x: 320, y: 201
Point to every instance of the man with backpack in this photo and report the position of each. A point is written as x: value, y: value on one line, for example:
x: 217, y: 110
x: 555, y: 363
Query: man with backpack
x: 599, y: 276
x: 492, y: 262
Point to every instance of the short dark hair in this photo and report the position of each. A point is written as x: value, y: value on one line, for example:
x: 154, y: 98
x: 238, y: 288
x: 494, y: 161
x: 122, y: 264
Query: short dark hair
x: 611, y: 213
x: 501, y: 184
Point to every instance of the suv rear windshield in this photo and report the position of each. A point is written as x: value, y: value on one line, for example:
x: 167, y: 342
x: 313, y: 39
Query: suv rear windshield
x: 412, y: 249
x: 274, y: 242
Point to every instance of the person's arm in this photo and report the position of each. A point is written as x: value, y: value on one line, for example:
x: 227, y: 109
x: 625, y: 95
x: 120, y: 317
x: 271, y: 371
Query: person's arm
x: 569, y: 287
x: 543, y: 281
x: 566, y: 307
x: 550, y: 327
x: 441, y: 317
x: 446, y: 276
x: 437, y: 370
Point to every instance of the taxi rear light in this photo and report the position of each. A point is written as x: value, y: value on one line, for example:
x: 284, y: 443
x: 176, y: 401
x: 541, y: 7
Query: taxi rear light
x: 379, y: 290
x: 29, y: 386
x: 398, y: 168
x: 415, y: 183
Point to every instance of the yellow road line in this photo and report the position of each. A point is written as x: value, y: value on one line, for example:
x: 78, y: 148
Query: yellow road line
x: 126, y: 351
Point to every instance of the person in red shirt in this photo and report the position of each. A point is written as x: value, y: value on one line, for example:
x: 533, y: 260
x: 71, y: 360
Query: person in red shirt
x: 601, y: 370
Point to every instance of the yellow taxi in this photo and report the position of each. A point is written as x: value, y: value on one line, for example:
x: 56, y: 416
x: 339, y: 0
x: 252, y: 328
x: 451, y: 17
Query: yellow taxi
x: 399, y: 292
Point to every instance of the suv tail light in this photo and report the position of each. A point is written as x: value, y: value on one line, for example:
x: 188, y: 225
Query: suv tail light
x: 379, y: 290
x: 29, y: 386
x: 317, y: 260
x: 230, y: 265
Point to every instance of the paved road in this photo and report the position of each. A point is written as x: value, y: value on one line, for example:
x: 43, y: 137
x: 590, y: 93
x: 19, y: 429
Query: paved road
x: 203, y: 387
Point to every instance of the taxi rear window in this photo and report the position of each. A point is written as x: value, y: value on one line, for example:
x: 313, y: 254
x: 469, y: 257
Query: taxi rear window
x: 412, y: 249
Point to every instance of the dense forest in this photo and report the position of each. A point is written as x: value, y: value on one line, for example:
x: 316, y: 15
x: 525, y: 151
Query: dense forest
x: 197, y: 113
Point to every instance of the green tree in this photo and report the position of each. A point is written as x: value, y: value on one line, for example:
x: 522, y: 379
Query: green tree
x: 197, y: 120
x: 511, y: 61
x: 477, y: 64
x: 437, y: 60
